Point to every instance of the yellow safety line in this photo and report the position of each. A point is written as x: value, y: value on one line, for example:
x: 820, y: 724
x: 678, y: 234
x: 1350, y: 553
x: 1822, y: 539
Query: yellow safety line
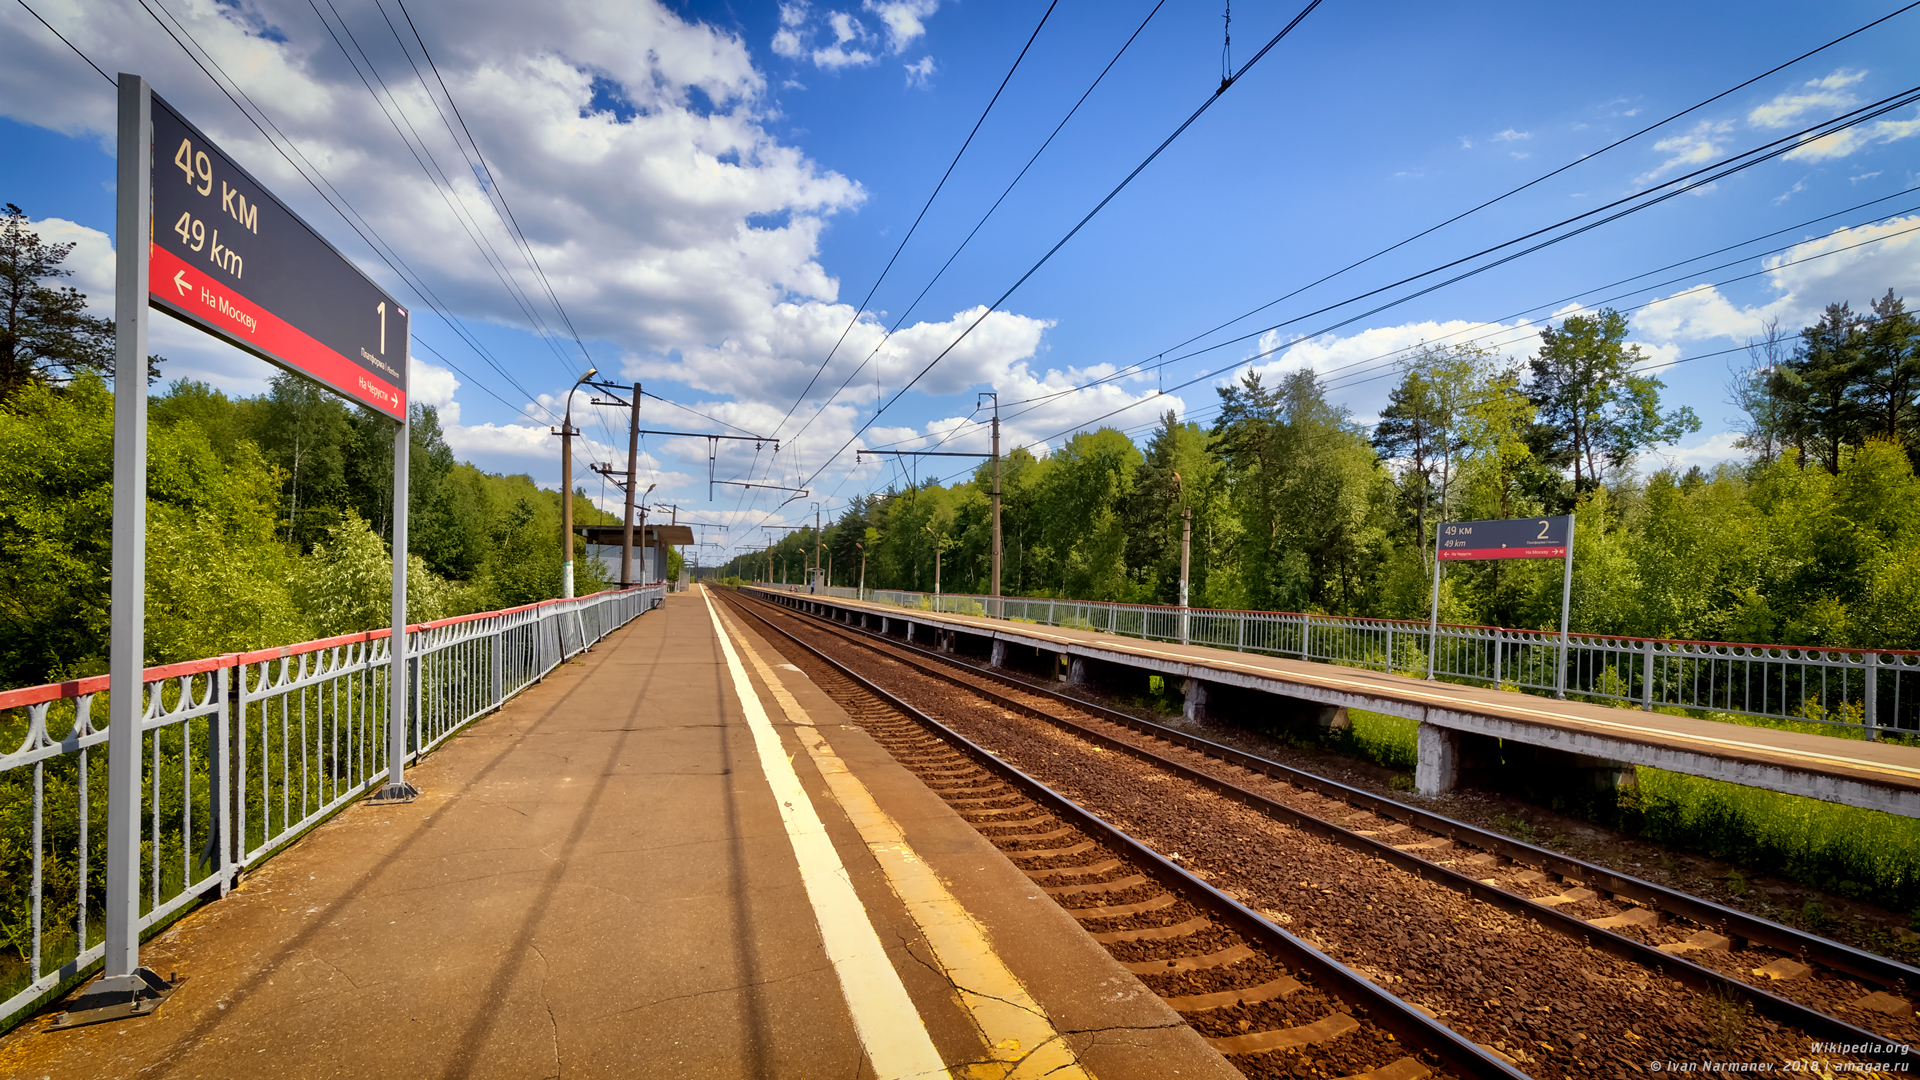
x: 1426, y: 698
x: 889, y: 1026
x: 1020, y: 1038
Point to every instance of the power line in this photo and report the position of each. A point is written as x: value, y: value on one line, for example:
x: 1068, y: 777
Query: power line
x: 69, y: 44
x: 1632, y: 204
x: 1157, y: 151
x: 923, y: 213
x: 938, y: 274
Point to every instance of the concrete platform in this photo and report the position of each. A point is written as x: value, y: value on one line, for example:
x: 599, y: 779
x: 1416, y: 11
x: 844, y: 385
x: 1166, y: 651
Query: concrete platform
x: 599, y: 880
x: 1458, y: 723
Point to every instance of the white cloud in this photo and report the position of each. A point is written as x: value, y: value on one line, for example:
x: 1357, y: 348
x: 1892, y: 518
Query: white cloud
x: 904, y: 20
x: 1694, y: 148
x: 91, y: 259
x: 1511, y: 135
x: 1854, y: 139
x: 1799, y: 186
x: 1827, y: 96
x: 1704, y: 452
x: 1804, y: 279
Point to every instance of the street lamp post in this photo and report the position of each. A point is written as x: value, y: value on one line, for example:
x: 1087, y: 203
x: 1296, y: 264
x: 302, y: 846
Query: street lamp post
x: 566, y: 488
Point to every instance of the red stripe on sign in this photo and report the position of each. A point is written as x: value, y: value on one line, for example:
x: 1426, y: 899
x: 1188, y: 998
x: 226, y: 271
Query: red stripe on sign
x: 178, y: 286
x: 1506, y: 553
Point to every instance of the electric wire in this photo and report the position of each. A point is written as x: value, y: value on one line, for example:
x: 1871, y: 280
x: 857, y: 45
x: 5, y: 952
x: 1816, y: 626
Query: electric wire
x: 1035, y: 268
x: 1008, y: 190
x: 69, y: 44
x: 928, y: 205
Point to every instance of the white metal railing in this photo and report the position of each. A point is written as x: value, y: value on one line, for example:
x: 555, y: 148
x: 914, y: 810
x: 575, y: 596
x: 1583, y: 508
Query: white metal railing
x: 239, y: 755
x: 1858, y: 692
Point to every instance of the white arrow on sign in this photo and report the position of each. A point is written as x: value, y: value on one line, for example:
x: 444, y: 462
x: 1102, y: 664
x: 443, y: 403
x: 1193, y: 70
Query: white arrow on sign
x: 180, y: 282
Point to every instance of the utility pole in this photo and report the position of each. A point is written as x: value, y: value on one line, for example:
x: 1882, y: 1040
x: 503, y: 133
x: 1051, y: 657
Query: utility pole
x: 818, y: 546
x: 567, y: 433
x: 995, y: 612
x: 863, y: 568
x: 633, y: 462
x: 1186, y: 552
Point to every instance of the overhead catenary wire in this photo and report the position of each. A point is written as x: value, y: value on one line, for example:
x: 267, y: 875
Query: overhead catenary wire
x: 336, y: 201
x: 1580, y: 160
x: 968, y: 239
x: 1081, y: 224
x: 68, y: 44
x: 902, y: 246
x: 1625, y: 206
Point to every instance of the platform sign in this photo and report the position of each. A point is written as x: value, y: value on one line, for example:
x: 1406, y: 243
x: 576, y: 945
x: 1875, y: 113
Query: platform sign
x: 1512, y: 538
x: 233, y: 260
x: 1518, y: 538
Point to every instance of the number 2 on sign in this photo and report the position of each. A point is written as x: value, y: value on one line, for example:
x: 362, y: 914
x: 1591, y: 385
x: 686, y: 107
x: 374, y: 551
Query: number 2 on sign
x: 1543, y: 531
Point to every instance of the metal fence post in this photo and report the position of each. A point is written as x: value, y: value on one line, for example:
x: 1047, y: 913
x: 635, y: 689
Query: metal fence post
x: 220, y: 787
x: 499, y: 661
x: 1871, y: 700
x: 1646, y: 676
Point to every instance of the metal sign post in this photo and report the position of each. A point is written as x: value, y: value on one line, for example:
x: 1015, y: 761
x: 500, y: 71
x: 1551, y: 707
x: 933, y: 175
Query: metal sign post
x: 1516, y: 538
x: 232, y: 260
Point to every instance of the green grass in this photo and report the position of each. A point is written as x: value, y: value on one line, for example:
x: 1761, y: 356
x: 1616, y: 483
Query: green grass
x: 1864, y: 854
x: 1393, y: 741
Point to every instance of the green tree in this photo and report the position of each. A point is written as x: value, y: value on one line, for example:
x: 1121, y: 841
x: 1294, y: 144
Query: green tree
x: 1585, y: 389
x: 45, y: 331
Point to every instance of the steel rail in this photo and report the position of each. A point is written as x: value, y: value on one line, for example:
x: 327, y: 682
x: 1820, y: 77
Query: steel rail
x: 1814, y: 1022
x: 1384, y: 1009
x: 1868, y: 967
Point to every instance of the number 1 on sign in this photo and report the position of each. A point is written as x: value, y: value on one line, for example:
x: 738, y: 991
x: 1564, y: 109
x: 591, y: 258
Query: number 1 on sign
x: 382, y: 309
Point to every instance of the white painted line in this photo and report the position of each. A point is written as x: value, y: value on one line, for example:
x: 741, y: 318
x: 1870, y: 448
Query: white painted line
x: 1020, y: 1037
x: 890, y: 1028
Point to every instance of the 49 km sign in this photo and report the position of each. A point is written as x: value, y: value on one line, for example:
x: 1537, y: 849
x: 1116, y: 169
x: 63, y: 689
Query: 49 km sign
x: 231, y: 259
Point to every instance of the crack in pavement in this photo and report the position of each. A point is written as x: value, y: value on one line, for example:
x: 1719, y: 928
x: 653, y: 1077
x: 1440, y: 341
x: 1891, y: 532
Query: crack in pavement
x: 553, y: 1022
x: 717, y: 990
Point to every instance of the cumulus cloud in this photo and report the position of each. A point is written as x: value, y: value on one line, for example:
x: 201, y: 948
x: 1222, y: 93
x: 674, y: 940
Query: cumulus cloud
x: 1854, y: 139
x: 839, y: 39
x: 1690, y: 150
x: 1825, y: 97
x: 1856, y: 264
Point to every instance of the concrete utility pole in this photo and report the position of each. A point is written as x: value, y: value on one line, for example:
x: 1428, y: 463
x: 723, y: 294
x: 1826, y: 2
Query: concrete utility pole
x: 863, y: 568
x: 818, y: 546
x: 566, y: 487
x: 633, y: 462
x: 995, y: 613
x: 1186, y: 551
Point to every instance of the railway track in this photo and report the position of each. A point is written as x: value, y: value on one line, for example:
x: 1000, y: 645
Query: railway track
x: 1549, y: 961
x: 1261, y: 996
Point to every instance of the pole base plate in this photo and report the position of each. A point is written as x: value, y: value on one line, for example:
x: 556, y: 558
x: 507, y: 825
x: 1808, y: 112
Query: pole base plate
x: 394, y: 791
x: 126, y: 997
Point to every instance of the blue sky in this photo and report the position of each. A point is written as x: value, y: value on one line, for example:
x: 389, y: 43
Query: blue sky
x: 711, y: 189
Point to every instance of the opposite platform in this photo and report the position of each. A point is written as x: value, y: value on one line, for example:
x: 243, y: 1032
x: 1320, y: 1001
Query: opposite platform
x: 1876, y: 775
x: 675, y: 857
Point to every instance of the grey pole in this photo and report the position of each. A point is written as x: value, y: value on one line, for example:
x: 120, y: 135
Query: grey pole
x: 566, y: 488
x: 127, y: 640
x: 1566, y: 602
x: 996, y: 507
x: 1433, y: 619
x: 125, y: 989
x: 633, y: 464
x: 399, y: 678
x: 1186, y: 549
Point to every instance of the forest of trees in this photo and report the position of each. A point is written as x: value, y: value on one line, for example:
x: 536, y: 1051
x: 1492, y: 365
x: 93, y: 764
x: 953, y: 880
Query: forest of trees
x: 268, y: 517
x: 1814, y: 539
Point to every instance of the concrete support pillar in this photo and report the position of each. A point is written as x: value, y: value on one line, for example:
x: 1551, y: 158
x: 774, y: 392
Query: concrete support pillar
x: 1076, y: 671
x: 1438, y: 756
x: 1195, y: 692
x: 886, y: 625
x: 998, y: 658
x: 909, y: 630
x: 1062, y: 665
